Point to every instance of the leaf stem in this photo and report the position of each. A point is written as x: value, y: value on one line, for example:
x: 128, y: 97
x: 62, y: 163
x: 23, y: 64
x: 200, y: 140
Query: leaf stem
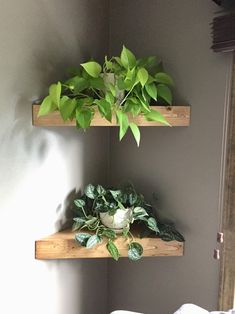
x: 96, y: 93
x: 125, y: 98
x: 131, y: 235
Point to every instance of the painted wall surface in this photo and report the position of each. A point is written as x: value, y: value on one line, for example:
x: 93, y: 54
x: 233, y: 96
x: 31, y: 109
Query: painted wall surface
x: 182, y: 165
x: 41, y: 168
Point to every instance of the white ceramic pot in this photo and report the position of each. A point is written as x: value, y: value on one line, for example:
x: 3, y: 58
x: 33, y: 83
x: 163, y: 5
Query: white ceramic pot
x: 118, y: 221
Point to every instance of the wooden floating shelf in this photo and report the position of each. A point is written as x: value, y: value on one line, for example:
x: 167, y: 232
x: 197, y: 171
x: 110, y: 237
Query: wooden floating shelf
x: 175, y: 115
x: 62, y: 245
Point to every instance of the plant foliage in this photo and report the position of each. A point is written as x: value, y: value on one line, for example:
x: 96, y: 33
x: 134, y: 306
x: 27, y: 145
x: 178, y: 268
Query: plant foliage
x: 139, y: 81
x: 97, y: 199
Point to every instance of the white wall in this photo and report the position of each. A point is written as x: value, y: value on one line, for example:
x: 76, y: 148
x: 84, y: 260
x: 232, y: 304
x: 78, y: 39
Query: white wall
x: 182, y: 165
x: 40, y: 168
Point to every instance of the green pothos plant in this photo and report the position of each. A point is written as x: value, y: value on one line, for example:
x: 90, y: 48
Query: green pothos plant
x: 120, y: 88
x: 97, y: 200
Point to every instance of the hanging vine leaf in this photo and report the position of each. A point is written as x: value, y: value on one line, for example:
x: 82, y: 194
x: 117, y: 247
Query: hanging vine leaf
x: 152, y: 224
x: 67, y: 107
x: 123, y: 123
x: 154, y: 115
x: 135, y: 251
x: 113, y: 250
x: 92, y: 241
x: 82, y: 238
x: 136, y: 132
x: 54, y: 93
x: 47, y: 106
x: 84, y: 117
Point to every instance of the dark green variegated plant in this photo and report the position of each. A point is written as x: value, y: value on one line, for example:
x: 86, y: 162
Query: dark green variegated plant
x: 123, y: 86
x: 97, y: 199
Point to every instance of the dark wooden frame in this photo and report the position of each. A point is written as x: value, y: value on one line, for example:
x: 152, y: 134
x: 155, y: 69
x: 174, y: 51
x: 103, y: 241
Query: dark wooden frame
x: 227, y: 266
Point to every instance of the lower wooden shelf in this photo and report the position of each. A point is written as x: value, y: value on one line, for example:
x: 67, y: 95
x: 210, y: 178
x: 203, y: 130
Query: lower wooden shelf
x: 62, y: 245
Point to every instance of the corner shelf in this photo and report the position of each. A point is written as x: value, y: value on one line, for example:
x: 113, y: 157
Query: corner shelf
x: 175, y: 115
x: 62, y: 245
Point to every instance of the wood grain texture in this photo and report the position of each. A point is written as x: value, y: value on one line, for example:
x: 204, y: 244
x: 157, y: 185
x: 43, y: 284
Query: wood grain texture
x: 227, y: 266
x: 175, y: 115
x: 62, y: 245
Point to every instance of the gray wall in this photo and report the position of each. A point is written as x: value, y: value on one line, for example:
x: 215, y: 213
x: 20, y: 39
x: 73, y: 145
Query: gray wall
x: 40, y: 168
x: 182, y: 165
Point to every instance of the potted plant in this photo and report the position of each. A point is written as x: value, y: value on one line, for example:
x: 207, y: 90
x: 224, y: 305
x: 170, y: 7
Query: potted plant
x: 123, y: 86
x: 108, y: 212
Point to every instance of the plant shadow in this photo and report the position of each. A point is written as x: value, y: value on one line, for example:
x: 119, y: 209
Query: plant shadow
x: 65, y: 211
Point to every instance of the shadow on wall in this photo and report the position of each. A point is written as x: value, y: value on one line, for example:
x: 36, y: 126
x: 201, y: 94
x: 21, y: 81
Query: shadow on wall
x: 41, y: 166
x: 82, y: 289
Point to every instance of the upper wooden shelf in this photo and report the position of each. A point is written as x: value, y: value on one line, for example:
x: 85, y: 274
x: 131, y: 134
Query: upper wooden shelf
x: 62, y: 245
x: 175, y: 115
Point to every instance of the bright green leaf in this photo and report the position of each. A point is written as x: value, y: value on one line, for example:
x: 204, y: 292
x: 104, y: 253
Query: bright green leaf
x: 132, y: 105
x: 97, y: 83
x: 151, y: 89
x: 84, y: 117
x: 142, y: 75
x: 136, y: 132
x: 104, y: 108
x: 165, y: 93
x: 77, y: 84
x: 164, y: 78
x: 92, y: 68
x: 118, y: 60
x: 128, y: 59
x: 67, y: 107
x: 109, y: 97
x: 154, y: 115
x: 121, y: 84
x: 123, y: 123
x: 130, y: 74
x: 113, y: 250
x: 112, y: 89
x: 55, y: 92
x: 108, y: 64
x: 46, y: 107
x: 135, y: 251
x: 144, y: 104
